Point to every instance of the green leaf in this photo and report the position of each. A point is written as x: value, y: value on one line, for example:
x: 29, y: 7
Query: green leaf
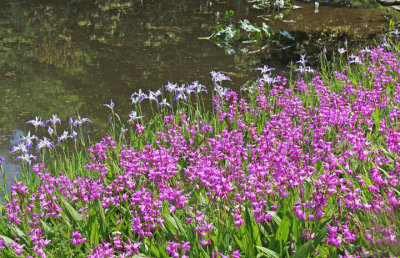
x: 229, y: 14
x: 321, y: 235
x: 73, y: 215
x: 170, y: 223
x: 6, y: 239
x: 250, y: 252
x: 275, y: 217
x: 102, y: 217
x: 182, y: 230
x: 47, y: 229
x: 94, y: 233
x: 205, y: 255
x: 268, y: 252
x: 283, y: 230
x: 19, y: 232
x: 256, y: 235
x: 239, y: 242
x: 248, y: 27
x: 162, y: 252
x: 267, y: 30
x: 304, y: 250
x: 153, y: 248
x: 295, y: 230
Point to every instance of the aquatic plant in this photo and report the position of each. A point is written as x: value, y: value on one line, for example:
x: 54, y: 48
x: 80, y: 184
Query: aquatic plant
x: 267, y: 5
x: 288, y: 168
x: 247, y: 34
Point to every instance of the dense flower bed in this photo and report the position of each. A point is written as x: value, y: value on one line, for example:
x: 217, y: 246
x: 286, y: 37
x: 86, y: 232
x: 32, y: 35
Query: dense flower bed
x: 306, y: 167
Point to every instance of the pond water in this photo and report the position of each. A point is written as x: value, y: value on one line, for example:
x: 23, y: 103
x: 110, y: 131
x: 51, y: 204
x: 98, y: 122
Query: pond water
x: 60, y: 57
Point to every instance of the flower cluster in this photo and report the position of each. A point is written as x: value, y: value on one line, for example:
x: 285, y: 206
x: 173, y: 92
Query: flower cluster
x: 321, y: 158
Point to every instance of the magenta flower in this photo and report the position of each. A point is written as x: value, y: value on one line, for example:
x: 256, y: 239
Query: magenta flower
x: 77, y: 238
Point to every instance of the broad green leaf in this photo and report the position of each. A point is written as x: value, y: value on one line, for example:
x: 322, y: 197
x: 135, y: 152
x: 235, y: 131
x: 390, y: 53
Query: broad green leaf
x: 275, y: 217
x: 321, y: 234
x: 19, y: 232
x: 250, y: 252
x: 295, y: 230
x: 304, y: 250
x: 205, y: 255
x: 170, y: 224
x: 256, y: 235
x: 268, y: 252
x: 102, y: 218
x: 247, y: 26
x: 47, y: 229
x: 6, y: 239
x: 182, y: 230
x: 73, y: 215
x: 153, y: 248
x: 94, y: 233
x: 161, y: 249
x: 283, y: 230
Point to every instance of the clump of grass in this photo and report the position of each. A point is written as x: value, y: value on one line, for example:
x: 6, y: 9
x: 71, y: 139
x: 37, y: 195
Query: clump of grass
x: 305, y: 167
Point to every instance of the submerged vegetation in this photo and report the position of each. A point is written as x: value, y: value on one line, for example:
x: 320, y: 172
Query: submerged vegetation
x: 301, y: 166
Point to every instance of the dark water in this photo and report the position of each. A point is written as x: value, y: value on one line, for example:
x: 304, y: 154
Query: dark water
x: 60, y: 57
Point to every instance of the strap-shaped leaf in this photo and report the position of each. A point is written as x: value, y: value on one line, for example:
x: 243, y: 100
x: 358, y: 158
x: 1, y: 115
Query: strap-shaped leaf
x: 268, y: 252
x: 283, y: 230
x: 73, y: 215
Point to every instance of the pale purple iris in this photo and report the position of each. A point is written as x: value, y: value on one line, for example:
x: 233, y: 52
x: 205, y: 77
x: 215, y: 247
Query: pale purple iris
x: 218, y: 77
x: 36, y: 122
x: 341, y: 50
x: 45, y: 143
x: 63, y: 137
x: 110, y: 106
x: 22, y: 148
x: 80, y: 121
x: 302, y: 60
x: 54, y: 120
x: 265, y: 69
x: 137, y: 97
x: 26, y: 158
x: 133, y: 116
x: 164, y: 103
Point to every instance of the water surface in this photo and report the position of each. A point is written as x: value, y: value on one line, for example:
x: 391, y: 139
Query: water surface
x: 66, y: 57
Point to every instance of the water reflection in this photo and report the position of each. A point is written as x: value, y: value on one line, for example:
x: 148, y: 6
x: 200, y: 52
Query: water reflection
x: 64, y: 56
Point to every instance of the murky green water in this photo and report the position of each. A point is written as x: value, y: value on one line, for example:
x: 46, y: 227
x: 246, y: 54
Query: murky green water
x: 67, y: 56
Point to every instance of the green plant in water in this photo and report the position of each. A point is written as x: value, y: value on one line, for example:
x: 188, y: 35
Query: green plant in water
x: 391, y: 25
x: 266, y: 4
x: 247, y: 34
x: 229, y: 14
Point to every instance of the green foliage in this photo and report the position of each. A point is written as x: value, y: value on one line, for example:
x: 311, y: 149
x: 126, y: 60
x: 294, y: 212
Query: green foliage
x: 246, y: 35
x: 279, y: 236
x: 268, y: 4
x: 391, y: 25
x: 229, y: 14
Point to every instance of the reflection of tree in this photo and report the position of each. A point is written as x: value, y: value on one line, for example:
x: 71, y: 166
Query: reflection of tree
x: 48, y: 49
x: 24, y: 93
x: 64, y: 32
x: 62, y: 54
